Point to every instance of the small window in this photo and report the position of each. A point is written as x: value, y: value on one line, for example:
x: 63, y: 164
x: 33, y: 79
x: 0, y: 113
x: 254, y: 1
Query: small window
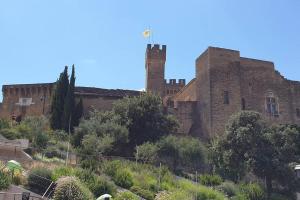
x: 226, y: 97
x: 168, y: 92
x: 243, y: 104
x: 298, y: 112
x: 272, y: 107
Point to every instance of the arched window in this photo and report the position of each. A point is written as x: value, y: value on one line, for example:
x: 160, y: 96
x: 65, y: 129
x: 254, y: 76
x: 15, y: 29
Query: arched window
x: 272, y: 105
x: 243, y: 104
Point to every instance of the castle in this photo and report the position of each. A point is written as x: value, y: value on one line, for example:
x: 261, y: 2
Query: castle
x: 224, y: 84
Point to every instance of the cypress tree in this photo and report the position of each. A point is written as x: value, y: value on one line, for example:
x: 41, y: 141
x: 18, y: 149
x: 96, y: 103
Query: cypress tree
x: 69, y: 104
x: 58, y: 100
x: 78, y: 112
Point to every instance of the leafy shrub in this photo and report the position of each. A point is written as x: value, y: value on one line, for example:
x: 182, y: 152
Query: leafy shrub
x: 62, y: 171
x: 126, y: 195
x: 39, y: 179
x: 70, y: 188
x: 18, y: 178
x: 123, y: 178
x: 276, y: 196
x: 229, y: 188
x: 10, y: 134
x: 4, y: 180
x: 52, y: 151
x: 210, y: 180
x: 251, y: 191
x: 4, y: 123
x: 146, y: 194
x: 110, y: 168
x: 98, y: 185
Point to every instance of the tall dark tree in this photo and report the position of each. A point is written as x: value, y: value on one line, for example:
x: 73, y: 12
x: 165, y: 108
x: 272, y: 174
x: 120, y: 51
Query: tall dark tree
x: 58, y: 100
x: 78, y: 112
x: 69, y: 104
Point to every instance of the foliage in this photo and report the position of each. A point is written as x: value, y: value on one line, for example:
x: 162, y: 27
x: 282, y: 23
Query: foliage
x: 228, y: 188
x: 147, y: 152
x: 70, y: 188
x: 78, y: 113
x: 185, y: 152
x: 210, y: 180
x: 39, y: 179
x: 58, y: 100
x: 251, y: 191
x: 249, y: 144
x: 4, y: 124
x: 144, y: 118
x: 126, y: 195
x: 4, y: 180
x: 146, y: 194
x: 69, y: 105
x: 123, y: 178
x: 97, y: 184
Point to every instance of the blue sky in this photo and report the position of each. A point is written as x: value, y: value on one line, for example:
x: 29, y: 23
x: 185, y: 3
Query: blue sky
x: 103, y: 37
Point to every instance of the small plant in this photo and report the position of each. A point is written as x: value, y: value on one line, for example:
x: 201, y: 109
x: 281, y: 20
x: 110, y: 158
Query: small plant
x: 146, y: 194
x: 39, y: 179
x: 123, y: 178
x: 4, y: 180
x: 229, y: 188
x: 126, y: 196
x: 70, y: 188
x: 251, y: 191
x: 210, y: 180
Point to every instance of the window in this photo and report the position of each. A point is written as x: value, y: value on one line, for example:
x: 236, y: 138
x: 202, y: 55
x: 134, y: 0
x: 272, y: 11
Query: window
x: 243, y: 104
x: 226, y: 97
x: 272, y: 105
x: 298, y: 112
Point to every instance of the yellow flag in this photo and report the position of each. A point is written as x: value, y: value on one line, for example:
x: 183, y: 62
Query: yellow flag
x: 147, y: 33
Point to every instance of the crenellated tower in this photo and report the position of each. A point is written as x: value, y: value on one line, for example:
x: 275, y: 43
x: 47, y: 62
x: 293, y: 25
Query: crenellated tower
x: 155, y: 69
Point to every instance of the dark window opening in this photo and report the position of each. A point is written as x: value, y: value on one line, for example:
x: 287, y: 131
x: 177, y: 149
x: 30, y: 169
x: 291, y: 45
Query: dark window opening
x: 226, y: 97
x: 272, y: 107
x: 243, y: 104
x: 298, y: 112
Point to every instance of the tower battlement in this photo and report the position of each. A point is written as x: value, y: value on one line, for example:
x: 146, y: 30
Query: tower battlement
x: 156, y: 51
x: 26, y: 89
x: 180, y: 82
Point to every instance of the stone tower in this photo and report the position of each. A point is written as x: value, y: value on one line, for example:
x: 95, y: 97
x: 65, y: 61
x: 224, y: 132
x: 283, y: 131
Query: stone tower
x: 155, y: 69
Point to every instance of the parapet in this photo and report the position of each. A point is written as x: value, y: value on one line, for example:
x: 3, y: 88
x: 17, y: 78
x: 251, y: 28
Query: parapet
x: 180, y: 82
x: 156, y: 51
x: 27, y: 89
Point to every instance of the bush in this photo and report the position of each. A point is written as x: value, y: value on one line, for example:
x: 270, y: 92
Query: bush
x: 146, y: 194
x: 126, y: 195
x: 10, y: 134
x: 70, y: 188
x: 229, y: 188
x: 52, y: 151
x: 210, y: 180
x: 39, y: 179
x: 251, y: 191
x: 110, y: 168
x: 123, y: 178
x: 98, y: 185
x: 4, y: 180
x: 62, y: 171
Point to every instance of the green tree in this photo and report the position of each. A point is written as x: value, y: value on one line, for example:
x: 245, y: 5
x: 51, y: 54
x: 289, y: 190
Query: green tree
x: 69, y: 104
x: 248, y: 144
x: 144, y: 118
x: 147, y: 152
x: 78, y: 113
x: 58, y: 100
x: 182, y: 153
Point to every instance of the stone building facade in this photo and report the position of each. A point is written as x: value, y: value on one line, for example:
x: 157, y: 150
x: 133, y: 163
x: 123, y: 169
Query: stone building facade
x: 35, y: 99
x: 225, y: 83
